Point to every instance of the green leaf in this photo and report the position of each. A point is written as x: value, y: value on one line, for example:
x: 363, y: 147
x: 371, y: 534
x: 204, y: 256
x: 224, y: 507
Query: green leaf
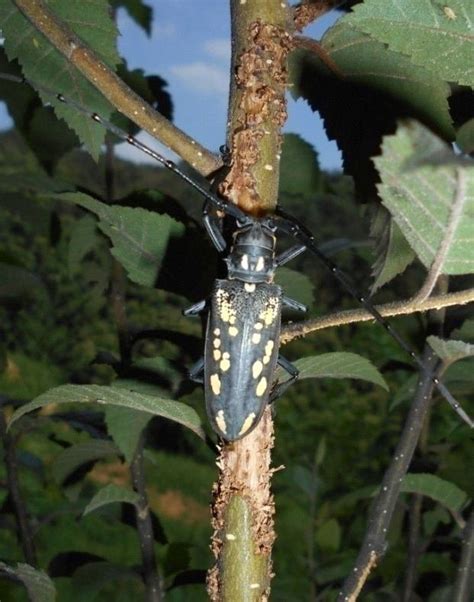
x: 111, y: 494
x: 393, y: 253
x: 77, y: 455
x: 90, y: 578
x: 17, y: 282
x: 139, y: 237
x: 43, y: 64
x: 449, y: 350
x: 172, y: 410
x: 39, y: 586
x: 299, y: 170
x: 83, y: 240
x: 125, y: 426
x: 465, y: 137
x: 296, y: 285
x: 438, y: 36
x: 430, y: 194
x: 328, y: 535
x: 338, y: 365
x: 446, y: 493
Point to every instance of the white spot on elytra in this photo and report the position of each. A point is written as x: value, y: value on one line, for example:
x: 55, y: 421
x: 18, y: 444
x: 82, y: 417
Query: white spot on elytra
x: 233, y: 331
x: 258, y: 326
x: 216, y: 355
x: 220, y: 421
x: 261, y: 387
x: 216, y: 343
x: 215, y: 385
x: 256, y: 337
x: 224, y: 365
x: 257, y: 368
x: 217, y: 331
x: 247, y: 423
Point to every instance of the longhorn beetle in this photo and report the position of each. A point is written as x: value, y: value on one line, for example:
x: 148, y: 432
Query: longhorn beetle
x: 244, y: 311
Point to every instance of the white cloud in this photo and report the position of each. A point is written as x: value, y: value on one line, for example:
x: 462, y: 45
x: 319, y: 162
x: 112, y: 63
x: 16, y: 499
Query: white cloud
x: 218, y: 48
x: 203, y: 77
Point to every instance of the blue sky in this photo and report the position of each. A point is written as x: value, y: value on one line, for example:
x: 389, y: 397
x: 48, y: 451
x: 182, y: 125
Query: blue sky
x: 189, y: 47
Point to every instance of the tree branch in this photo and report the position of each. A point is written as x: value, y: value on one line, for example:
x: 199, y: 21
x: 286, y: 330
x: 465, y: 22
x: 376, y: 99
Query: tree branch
x: 464, y: 586
x: 387, y: 310
x: 145, y: 527
x: 13, y: 486
x: 114, y: 89
x: 381, y: 512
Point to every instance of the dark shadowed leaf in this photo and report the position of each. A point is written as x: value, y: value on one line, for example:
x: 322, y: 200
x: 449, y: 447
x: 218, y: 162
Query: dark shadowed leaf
x: 299, y: 170
x: 172, y: 410
x: 139, y: 11
x: 111, y: 494
x: 75, y: 456
x: 465, y: 137
x: 139, y: 237
x: 338, y: 365
x: 89, y: 579
x: 440, y: 490
x: 296, y: 285
x: 39, y: 586
x: 125, y: 427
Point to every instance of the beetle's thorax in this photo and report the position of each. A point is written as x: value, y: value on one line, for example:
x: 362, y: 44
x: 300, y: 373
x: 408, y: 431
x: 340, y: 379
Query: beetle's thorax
x: 252, y: 254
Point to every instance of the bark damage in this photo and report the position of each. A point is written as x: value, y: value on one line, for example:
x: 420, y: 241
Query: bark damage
x: 242, y: 516
x: 261, y: 77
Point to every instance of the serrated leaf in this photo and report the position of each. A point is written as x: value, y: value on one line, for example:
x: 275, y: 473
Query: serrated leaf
x: 139, y: 237
x: 111, y: 494
x: 77, y: 455
x: 382, y: 86
x: 296, y: 285
x: 43, y: 64
x: 39, y: 586
x: 299, y: 170
x: 393, y: 253
x: 166, y: 408
x: 450, y: 350
x: 430, y: 196
x: 125, y: 427
x: 338, y: 365
x: 440, y: 490
x: 437, y: 36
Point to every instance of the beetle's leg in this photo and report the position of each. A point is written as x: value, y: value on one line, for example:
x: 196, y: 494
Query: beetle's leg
x: 196, y: 309
x: 289, y: 254
x: 212, y: 227
x: 196, y: 373
x: 293, y: 304
x: 280, y: 388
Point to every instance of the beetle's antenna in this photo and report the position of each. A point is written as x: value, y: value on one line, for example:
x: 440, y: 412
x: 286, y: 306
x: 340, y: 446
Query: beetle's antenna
x: 291, y: 226
x: 219, y: 203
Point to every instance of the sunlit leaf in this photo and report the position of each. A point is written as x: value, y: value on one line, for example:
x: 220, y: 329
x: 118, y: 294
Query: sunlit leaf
x: 39, y: 586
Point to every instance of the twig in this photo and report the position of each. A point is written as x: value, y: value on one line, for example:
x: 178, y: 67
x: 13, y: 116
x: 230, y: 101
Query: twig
x: 352, y: 316
x: 114, y: 89
x: 380, y: 515
x: 309, y: 10
x: 464, y: 585
x: 13, y: 485
x: 414, y: 547
x: 152, y: 579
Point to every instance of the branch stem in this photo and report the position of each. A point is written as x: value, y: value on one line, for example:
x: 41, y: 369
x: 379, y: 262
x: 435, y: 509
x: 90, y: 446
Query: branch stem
x: 464, y: 586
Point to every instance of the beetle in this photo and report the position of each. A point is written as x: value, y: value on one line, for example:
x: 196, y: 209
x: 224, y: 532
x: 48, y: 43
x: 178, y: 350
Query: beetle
x: 244, y: 310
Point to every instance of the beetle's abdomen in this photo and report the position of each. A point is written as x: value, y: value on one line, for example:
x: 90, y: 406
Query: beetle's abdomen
x: 241, y: 353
